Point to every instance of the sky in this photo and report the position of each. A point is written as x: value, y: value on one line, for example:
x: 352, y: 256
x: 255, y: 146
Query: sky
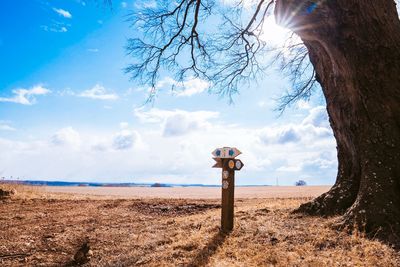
x: 69, y: 113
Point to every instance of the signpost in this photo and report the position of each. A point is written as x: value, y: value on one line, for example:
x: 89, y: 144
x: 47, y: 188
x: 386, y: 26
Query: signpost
x: 225, y: 159
x: 226, y: 152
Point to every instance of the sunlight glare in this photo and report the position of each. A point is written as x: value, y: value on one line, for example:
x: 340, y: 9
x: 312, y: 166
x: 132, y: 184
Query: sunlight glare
x: 273, y: 34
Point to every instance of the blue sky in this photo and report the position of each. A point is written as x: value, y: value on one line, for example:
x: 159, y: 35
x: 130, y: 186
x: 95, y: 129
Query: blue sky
x: 68, y: 112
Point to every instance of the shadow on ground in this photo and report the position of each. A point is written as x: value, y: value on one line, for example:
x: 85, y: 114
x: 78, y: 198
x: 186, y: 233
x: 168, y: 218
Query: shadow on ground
x: 204, y: 255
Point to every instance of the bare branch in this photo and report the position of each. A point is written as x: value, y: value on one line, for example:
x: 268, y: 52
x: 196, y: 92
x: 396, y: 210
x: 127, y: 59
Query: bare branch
x: 175, y: 38
x: 294, y: 61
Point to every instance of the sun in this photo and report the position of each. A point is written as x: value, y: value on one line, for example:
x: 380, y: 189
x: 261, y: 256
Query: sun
x: 273, y: 34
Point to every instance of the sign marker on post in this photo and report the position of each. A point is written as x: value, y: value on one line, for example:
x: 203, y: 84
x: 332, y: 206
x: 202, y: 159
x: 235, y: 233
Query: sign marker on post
x: 226, y: 152
x: 225, y: 159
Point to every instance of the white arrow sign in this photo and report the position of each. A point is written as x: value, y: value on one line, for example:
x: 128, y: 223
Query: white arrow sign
x: 226, y: 152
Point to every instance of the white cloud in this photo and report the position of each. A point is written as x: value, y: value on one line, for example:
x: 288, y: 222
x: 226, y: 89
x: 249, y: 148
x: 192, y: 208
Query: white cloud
x: 98, y: 92
x: 93, y: 50
x: 317, y: 117
x: 302, y: 104
x: 293, y: 133
x: 313, y: 128
x: 100, y: 146
x: 54, y: 28
x: 65, y: 92
x: 280, y: 135
x: 286, y: 168
x: 306, y: 149
x: 186, y: 88
x: 66, y: 136
x: 180, y: 124
x: 123, y: 125
x: 264, y: 104
x: 191, y: 87
x: 26, y: 96
x: 177, y: 122
x: 319, y: 163
x: 63, y: 13
x: 125, y: 139
x: 5, y: 126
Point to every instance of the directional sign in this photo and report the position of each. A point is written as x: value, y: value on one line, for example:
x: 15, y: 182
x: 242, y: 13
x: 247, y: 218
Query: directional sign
x: 238, y: 164
x: 218, y: 163
x: 235, y: 164
x: 226, y: 152
x: 217, y: 153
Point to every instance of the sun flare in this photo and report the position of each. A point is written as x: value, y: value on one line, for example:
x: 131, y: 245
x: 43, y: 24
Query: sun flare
x: 273, y: 34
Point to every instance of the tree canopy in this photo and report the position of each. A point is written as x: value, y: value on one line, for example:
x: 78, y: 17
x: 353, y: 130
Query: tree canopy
x: 220, y: 41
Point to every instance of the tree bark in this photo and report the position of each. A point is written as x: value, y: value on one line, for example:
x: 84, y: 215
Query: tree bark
x: 354, y: 46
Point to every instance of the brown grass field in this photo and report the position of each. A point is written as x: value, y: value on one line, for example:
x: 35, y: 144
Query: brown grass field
x: 192, y: 192
x: 44, y: 227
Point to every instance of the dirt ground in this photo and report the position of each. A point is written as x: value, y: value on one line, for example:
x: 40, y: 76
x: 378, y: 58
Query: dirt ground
x: 42, y: 229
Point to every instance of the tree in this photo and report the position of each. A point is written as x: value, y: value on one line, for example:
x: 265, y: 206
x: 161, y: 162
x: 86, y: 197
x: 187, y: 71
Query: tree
x: 353, y: 47
x: 300, y: 183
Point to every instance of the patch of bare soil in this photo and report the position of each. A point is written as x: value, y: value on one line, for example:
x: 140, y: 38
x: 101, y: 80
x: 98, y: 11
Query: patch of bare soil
x: 4, y: 194
x: 156, y: 232
x: 172, y: 207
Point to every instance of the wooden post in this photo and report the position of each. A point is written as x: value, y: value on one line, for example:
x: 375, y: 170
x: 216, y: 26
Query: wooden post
x: 228, y: 196
x: 225, y: 158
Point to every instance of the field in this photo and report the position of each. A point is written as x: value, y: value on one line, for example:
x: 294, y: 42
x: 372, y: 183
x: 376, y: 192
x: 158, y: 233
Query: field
x: 45, y: 227
x: 192, y: 192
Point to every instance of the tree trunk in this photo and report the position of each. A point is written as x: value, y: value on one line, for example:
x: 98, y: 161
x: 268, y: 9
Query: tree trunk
x: 354, y: 47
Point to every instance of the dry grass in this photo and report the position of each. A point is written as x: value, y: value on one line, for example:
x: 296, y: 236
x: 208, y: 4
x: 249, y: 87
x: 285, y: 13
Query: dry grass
x: 46, y: 230
x: 23, y: 191
x: 191, y: 192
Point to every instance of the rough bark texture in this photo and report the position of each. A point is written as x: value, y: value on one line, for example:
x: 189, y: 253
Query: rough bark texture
x: 355, y: 49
